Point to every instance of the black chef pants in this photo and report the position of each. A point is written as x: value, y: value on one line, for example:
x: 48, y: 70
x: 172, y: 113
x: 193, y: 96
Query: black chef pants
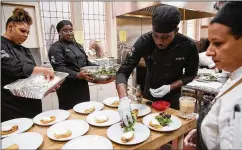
x: 18, y: 107
x: 72, y: 92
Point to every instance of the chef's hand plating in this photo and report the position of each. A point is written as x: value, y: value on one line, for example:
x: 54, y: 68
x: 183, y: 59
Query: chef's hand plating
x: 124, y: 110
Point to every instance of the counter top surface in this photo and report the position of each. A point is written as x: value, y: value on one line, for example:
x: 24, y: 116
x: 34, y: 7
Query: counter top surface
x: 155, y: 140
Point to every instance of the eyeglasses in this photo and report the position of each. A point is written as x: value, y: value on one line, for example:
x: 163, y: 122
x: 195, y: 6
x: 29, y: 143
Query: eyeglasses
x: 67, y: 31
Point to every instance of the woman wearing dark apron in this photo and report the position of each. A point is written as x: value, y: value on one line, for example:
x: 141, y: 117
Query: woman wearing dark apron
x: 219, y: 123
x: 66, y: 55
x: 17, y: 62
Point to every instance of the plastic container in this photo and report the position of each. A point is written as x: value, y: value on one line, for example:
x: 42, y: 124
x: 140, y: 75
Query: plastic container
x: 161, y: 105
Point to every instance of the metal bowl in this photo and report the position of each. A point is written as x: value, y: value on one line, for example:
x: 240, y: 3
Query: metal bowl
x: 101, y: 78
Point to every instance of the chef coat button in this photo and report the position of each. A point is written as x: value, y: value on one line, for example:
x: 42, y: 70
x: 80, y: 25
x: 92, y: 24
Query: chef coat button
x: 154, y: 62
x: 166, y: 74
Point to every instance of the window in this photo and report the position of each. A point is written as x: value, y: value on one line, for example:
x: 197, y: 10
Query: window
x: 180, y: 26
x: 191, y: 28
x: 51, y: 13
x: 93, y: 20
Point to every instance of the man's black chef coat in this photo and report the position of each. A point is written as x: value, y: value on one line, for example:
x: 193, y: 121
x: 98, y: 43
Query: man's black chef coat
x: 164, y: 66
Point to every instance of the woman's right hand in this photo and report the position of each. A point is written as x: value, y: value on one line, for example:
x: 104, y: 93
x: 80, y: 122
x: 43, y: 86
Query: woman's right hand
x: 190, y: 139
x: 49, y: 74
x: 84, y: 75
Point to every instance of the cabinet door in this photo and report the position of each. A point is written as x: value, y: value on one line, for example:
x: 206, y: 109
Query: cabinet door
x: 106, y: 90
x: 55, y: 100
x: 32, y: 40
x: 47, y: 103
x: 93, y: 92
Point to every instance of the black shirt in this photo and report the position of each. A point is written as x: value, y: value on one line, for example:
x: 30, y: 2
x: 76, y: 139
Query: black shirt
x: 163, y: 66
x: 17, y: 62
x: 68, y: 57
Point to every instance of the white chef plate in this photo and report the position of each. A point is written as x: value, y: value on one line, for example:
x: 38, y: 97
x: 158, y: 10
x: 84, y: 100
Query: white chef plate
x: 81, y: 107
x: 77, y: 127
x: 113, y: 117
x: 175, y: 124
x: 110, y: 100
x: 143, y: 109
x: 27, y: 140
x: 60, y: 115
x: 141, y: 133
x: 89, y: 142
x: 23, y: 125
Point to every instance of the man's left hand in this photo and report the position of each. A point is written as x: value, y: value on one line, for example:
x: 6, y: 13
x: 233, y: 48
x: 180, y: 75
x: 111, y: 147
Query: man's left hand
x: 160, y: 92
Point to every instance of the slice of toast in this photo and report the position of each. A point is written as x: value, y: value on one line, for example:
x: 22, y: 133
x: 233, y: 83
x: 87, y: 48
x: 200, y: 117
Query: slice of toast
x: 13, y: 129
x: 154, y: 125
x: 115, y: 103
x: 11, y: 147
x: 101, y: 120
x: 126, y: 140
x: 62, y: 136
x: 90, y: 110
x: 53, y: 118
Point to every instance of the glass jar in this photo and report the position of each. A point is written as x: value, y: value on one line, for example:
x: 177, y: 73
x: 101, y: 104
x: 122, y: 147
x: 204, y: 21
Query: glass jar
x: 138, y: 94
x: 187, y: 106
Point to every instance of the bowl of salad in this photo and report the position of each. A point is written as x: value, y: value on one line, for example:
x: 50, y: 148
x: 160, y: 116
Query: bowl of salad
x: 101, y: 74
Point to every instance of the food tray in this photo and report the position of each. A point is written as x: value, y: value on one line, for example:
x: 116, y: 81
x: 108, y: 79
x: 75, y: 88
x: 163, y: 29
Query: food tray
x: 35, y: 86
x: 211, y: 87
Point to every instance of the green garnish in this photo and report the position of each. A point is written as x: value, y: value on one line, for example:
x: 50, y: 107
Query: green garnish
x: 131, y: 125
x: 103, y: 72
x: 163, y: 119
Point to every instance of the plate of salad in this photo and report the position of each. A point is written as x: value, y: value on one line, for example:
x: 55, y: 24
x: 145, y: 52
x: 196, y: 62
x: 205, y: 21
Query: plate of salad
x: 163, y: 122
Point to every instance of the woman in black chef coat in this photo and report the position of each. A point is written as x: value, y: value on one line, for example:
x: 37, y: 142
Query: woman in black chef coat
x: 66, y: 55
x: 17, y: 62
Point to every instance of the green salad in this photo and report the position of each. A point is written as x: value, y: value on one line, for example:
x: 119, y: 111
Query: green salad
x: 103, y: 72
x: 163, y: 118
x: 131, y: 125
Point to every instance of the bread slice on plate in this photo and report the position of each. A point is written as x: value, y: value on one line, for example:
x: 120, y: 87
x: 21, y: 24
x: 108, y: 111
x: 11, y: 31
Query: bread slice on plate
x: 62, y: 134
x: 11, y: 147
x: 46, y: 120
x: 127, y: 137
x: 9, y: 129
x: 90, y: 109
x: 101, y: 119
x: 115, y: 103
x: 155, y: 124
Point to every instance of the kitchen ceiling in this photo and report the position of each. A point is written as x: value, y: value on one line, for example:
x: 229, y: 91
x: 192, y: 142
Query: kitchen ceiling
x: 187, y: 14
